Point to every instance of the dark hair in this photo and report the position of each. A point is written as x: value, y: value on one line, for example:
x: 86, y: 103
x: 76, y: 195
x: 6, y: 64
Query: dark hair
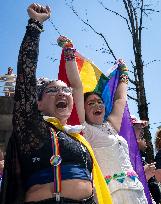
x: 87, y: 94
x: 41, y: 88
x: 158, y: 139
x: 10, y: 69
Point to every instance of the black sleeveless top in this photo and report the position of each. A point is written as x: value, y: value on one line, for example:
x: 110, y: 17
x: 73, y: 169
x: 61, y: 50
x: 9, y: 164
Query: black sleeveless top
x: 72, y: 152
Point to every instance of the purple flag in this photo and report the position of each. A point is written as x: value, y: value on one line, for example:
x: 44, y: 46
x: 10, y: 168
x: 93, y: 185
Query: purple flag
x: 128, y: 133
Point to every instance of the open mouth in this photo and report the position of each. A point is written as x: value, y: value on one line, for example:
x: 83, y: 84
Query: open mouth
x: 97, y: 113
x: 61, y: 104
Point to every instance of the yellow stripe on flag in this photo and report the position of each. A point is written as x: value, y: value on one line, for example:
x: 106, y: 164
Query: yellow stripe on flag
x: 90, y: 76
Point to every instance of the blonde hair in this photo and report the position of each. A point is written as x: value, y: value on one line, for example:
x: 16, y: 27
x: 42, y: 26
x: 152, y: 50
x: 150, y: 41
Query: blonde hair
x: 158, y: 140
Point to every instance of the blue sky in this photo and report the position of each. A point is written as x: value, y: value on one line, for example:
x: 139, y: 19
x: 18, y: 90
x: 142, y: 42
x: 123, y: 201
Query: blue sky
x: 12, y: 28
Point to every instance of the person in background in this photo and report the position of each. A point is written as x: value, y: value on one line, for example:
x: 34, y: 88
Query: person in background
x: 44, y: 164
x: 1, y: 165
x: 111, y: 149
x: 158, y: 154
x: 9, y: 86
x: 149, y: 169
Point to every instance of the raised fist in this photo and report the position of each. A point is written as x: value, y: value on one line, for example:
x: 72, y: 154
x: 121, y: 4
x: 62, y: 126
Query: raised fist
x: 64, y: 42
x: 38, y: 12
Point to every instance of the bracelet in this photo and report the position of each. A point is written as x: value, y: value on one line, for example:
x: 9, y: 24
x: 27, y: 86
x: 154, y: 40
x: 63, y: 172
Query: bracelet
x: 123, y: 73
x: 64, y: 42
x: 123, y: 67
x: 69, y: 54
x: 35, y: 26
x: 124, y: 78
x: 34, y: 21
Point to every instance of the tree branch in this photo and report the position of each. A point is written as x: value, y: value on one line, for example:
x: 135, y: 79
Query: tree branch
x: 141, y: 21
x: 56, y: 29
x: 94, y: 30
x: 130, y: 88
x: 132, y: 81
x: 117, y: 14
x: 145, y: 65
x: 130, y: 97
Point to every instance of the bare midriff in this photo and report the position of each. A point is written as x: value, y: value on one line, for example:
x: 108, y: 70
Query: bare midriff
x: 76, y: 189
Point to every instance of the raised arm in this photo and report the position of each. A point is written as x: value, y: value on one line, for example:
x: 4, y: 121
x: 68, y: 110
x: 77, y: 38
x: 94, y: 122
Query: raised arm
x: 115, y: 118
x: 76, y: 84
x: 73, y: 76
x: 25, y: 106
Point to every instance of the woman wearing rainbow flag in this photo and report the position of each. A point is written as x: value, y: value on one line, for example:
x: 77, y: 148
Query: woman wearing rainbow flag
x: 111, y: 150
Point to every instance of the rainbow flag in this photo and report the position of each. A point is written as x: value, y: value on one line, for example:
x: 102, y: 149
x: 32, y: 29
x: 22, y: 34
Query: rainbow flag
x: 94, y: 80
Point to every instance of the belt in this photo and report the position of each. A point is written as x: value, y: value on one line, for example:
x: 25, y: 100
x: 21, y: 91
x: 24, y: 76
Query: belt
x: 89, y: 200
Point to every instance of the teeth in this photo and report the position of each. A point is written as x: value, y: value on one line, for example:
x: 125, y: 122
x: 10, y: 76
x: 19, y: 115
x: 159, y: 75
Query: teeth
x: 61, y: 104
x: 61, y: 101
x: 98, y: 111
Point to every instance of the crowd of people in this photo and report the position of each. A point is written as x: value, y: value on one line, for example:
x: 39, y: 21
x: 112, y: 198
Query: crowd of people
x: 46, y: 160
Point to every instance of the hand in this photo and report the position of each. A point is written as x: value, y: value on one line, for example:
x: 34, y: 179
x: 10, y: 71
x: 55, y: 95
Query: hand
x: 120, y: 61
x: 122, y: 66
x: 38, y: 12
x: 64, y: 42
x: 149, y: 170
